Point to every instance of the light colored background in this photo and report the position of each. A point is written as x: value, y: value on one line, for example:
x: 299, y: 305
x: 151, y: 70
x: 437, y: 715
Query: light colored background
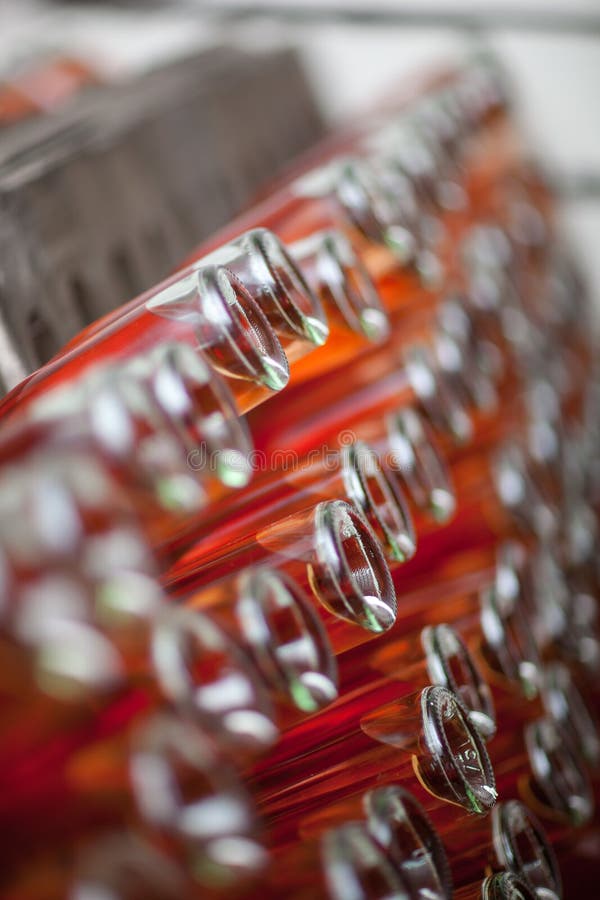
x: 556, y: 80
x: 556, y: 76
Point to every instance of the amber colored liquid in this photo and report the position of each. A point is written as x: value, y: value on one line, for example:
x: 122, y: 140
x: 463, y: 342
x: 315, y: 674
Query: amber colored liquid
x: 360, y: 393
x: 411, y: 309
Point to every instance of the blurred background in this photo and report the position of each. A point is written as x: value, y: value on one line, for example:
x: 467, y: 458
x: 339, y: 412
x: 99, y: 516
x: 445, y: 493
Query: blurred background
x: 348, y: 54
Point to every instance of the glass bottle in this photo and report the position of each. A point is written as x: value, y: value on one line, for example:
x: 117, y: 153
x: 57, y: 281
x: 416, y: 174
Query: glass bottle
x: 271, y: 618
x: 169, y: 770
x: 500, y: 497
x: 361, y: 394
x: 514, y: 840
x: 78, y: 586
x: 328, y: 548
x: 546, y: 770
x: 435, y: 655
x: 190, y: 664
x: 490, y: 612
x: 354, y: 474
x: 411, y: 449
x: 394, y: 670
x: 222, y: 659
x: 426, y: 734
x: 355, y: 865
x: 164, y: 423
x: 391, y: 828
x: 501, y: 886
x: 235, y: 310
x: 409, y: 462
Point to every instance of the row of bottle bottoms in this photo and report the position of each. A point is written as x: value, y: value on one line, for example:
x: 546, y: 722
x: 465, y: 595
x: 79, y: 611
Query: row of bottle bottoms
x: 314, y: 522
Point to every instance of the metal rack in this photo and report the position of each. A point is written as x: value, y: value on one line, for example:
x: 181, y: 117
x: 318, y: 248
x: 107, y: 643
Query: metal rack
x: 101, y: 199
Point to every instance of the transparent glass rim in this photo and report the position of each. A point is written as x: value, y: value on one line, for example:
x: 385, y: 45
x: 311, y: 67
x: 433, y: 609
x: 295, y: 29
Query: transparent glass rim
x: 125, y: 399
x: 418, y: 460
x: 445, y: 181
x: 458, y: 349
x: 510, y: 819
x: 353, y: 289
x: 370, y: 206
x: 297, y: 304
x: 309, y: 687
x: 215, y: 303
x: 372, y: 603
x: 565, y: 703
x: 343, y: 850
x: 442, y: 644
x: 364, y: 475
x: 562, y: 778
x: 520, y: 662
x: 519, y: 494
x: 252, y: 726
x: 511, y: 568
x: 103, y: 866
x: 433, y: 700
x: 337, y: 273
x: 396, y: 180
x: 436, y: 395
x: 414, y: 155
x: 221, y: 430
x: 388, y: 806
x: 506, y: 886
x: 164, y: 809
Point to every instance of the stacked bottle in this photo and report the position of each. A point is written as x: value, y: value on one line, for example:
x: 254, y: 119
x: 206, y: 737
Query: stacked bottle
x: 308, y: 531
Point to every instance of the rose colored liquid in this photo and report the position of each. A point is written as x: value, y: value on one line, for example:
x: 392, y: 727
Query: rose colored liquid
x: 137, y: 332
x: 289, y: 215
x: 41, y: 87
